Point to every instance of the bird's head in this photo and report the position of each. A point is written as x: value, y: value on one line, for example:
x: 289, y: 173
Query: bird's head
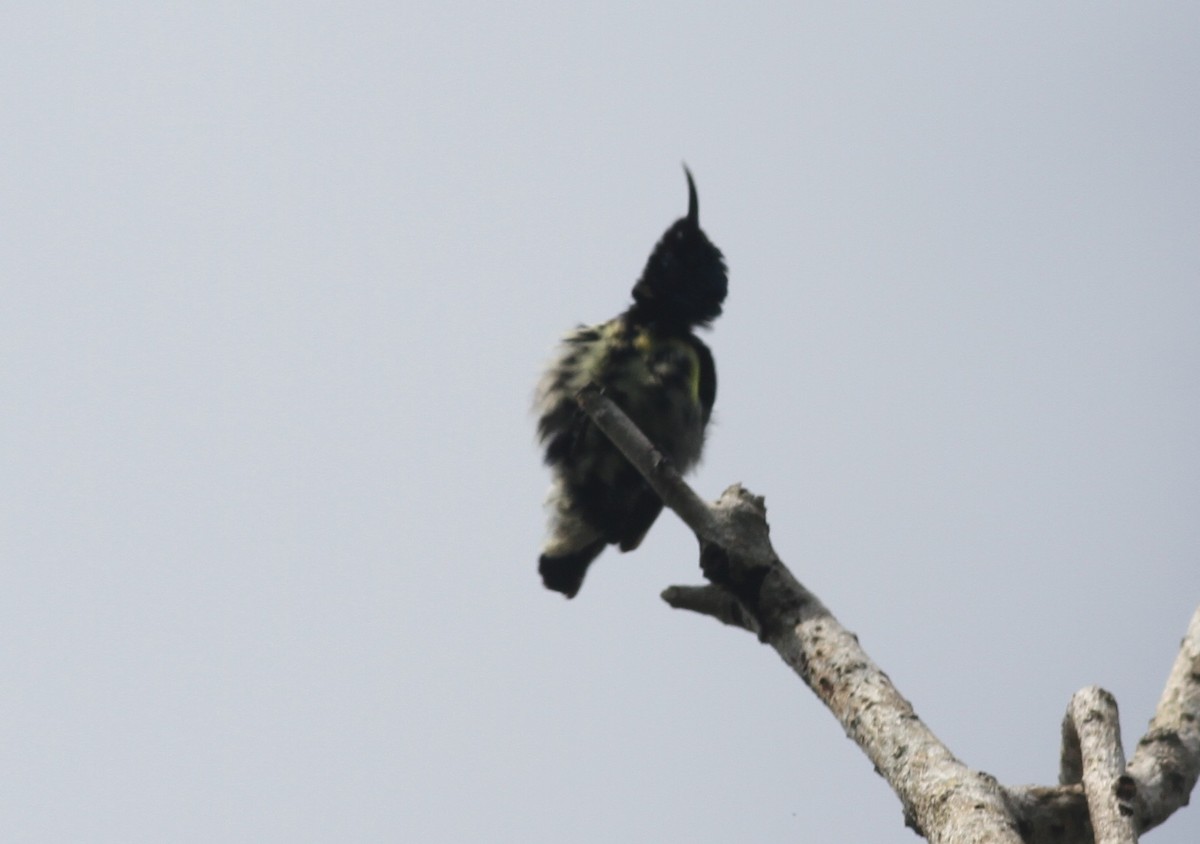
x: 684, y: 280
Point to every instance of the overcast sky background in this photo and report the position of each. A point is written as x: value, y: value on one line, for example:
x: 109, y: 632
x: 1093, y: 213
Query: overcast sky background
x: 278, y: 282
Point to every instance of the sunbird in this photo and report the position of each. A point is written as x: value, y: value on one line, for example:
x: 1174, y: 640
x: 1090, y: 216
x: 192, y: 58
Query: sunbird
x: 650, y: 362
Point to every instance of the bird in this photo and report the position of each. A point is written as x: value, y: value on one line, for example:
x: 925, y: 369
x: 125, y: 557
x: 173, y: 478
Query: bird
x: 649, y: 361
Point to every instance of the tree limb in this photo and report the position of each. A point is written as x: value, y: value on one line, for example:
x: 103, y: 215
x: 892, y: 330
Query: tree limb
x: 1092, y: 755
x: 944, y: 800
x: 1166, y: 763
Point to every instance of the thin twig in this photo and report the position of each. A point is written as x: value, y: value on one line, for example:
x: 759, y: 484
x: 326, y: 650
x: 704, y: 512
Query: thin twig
x: 654, y: 466
x: 711, y: 600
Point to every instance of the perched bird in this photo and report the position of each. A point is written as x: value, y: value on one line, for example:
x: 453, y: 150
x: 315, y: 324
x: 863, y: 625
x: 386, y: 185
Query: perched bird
x: 651, y: 364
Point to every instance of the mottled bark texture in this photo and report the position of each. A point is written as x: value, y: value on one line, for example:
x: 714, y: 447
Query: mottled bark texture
x: 943, y: 799
x: 1166, y: 763
x: 1092, y: 755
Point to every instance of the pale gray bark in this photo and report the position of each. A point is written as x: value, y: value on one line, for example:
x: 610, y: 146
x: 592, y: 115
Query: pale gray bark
x: 943, y: 799
x: 1166, y: 763
x: 1092, y: 755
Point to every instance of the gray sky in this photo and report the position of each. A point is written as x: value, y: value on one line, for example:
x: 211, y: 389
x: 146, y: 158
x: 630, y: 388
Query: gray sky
x: 279, y: 279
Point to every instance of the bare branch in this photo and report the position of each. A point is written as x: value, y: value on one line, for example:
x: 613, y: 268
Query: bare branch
x: 653, y: 465
x: 1163, y: 772
x: 1166, y: 763
x: 711, y: 600
x: 943, y: 799
x: 1092, y: 735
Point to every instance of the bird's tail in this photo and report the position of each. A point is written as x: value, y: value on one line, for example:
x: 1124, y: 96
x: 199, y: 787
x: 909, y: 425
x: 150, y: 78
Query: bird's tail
x: 564, y: 573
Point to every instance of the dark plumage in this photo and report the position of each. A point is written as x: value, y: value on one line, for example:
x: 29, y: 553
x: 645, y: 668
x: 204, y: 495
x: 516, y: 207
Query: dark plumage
x: 648, y: 361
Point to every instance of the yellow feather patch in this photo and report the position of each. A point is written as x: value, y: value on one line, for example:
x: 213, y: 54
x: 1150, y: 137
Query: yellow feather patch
x: 694, y: 363
x: 645, y: 342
